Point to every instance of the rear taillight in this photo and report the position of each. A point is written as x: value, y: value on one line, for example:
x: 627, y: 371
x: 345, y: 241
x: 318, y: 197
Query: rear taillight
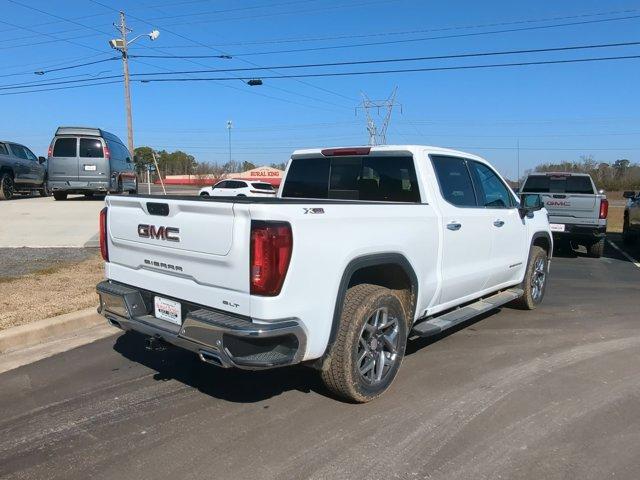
x: 104, y: 247
x: 50, y: 151
x: 604, y: 208
x: 271, y: 246
x: 107, y: 153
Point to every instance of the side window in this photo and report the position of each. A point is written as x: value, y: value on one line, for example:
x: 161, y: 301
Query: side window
x: 222, y: 184
x: 65, y: 147
x: 454, y: 180
x: 3, y: 149
x: 492, y: 192
x: 91, y: 148
x: 30, y: 155
x: 18, y: 151
x: 236, y: 184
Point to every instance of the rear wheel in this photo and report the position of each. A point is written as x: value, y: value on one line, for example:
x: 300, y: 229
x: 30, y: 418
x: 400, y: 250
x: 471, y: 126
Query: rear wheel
x: 7, y: 187
x: 134, y: 190
x: 596, y: 249
x: 59, y: 195
x: 535, y: 280
x: 204, y: 194
x: 369, y: 346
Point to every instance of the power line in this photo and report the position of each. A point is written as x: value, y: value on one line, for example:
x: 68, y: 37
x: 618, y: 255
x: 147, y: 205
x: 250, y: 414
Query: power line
x: 408, y: 70
x: 414, y: 31
x: 343, y: 74
x: 408, y: 59
x: 62, y: 88
x: 440, y: 37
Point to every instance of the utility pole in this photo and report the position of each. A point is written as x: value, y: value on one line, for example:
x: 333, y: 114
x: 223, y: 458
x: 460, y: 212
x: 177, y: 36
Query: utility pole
x: 378, y: 136
x: 518, y: 162
x: 229, y: 127
x: 127, y: 89
x: 122, y: 45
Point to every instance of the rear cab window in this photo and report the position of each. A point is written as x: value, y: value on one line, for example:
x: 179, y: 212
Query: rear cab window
x: 65, y: 147
x: 91, y: 148
x: 576, y: 184
x: 371, y: 178
x: 454, y: 179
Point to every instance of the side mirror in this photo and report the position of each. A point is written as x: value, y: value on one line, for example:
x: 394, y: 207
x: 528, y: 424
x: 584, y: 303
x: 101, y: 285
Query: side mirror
x: 629, y: 194
x: 41, y: 160
x: 529, y: 203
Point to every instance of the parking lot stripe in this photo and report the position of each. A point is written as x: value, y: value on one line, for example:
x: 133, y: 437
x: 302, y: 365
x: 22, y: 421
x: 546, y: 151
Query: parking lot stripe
x: 624, y: 254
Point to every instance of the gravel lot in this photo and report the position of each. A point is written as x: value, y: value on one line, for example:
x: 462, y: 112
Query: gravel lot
x: 41, y: 283
x: 17, y: 262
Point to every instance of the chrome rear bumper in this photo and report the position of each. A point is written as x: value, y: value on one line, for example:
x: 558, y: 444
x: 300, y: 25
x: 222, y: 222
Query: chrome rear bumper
x: 217, y: 337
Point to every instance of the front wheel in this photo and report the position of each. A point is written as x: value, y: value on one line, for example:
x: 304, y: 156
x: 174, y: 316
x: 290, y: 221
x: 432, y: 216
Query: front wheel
x: 369, y: 345
x: 535, y: 279
x: 204, y: 194
x: 59, y: 195
x: 7, y: 187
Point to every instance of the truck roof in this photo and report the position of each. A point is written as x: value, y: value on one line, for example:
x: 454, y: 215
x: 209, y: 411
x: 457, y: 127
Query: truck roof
x: 392, y: 148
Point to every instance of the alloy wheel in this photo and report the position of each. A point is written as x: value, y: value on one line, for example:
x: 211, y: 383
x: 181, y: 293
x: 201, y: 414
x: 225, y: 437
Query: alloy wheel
x: 539, y: 276
x: 377, y: 350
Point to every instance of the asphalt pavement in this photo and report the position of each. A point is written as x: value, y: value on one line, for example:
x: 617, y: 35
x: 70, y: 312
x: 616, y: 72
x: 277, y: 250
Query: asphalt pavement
x: 548, y: 394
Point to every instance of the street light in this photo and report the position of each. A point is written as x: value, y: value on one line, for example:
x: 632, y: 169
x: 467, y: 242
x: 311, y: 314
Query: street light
x: 121, y: 44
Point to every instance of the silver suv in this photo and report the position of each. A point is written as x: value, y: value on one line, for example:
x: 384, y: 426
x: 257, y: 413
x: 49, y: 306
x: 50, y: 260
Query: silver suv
x: 89, y: 161
x: 21, y: 171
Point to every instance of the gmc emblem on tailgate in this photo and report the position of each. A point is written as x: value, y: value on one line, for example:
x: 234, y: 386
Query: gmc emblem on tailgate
x: 159, y: 233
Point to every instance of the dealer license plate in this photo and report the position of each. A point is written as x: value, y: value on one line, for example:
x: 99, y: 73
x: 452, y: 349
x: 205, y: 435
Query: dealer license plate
x: 557, y: 227
x: 168, y: 310
x: 90, y: 168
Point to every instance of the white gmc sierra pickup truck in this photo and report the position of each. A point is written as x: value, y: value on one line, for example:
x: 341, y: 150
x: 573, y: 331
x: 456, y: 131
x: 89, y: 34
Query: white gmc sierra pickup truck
x: 362, y: 249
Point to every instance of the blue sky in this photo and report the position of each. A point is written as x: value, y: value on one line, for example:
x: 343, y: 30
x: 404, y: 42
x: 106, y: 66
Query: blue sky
x: 556, y: 112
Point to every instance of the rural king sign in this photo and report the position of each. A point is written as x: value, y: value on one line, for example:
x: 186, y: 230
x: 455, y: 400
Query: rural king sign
x: 263, y: 172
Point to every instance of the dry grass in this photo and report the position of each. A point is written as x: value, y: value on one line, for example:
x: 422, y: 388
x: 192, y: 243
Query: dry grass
x: 50, y: 292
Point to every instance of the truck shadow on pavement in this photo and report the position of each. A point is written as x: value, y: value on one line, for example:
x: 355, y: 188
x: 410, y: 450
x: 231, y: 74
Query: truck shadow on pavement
x: 233, y: 385
x: 241, y: 386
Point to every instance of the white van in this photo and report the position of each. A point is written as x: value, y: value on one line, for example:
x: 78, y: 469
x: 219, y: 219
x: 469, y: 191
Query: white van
x: 89, y: 161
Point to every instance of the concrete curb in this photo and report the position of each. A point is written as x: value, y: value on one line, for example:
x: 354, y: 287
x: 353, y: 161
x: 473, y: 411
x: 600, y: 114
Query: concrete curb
x: 38, y: 332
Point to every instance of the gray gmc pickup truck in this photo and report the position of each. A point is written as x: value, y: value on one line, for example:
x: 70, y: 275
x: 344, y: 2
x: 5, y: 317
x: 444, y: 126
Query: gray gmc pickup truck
x: 577, y: 212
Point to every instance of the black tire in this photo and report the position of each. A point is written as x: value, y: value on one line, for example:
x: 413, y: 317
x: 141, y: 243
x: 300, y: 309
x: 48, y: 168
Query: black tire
x: 204, y: 194
x: 535, y: 280
x: 628, y: 238
x: 7, y: 187
x: 595, y: 250
x: 358, y: 343
x: 60, y: 195
x: 88, y: 195
x: 44, y: 191
x: 241, y: 195
x: 134, y: 191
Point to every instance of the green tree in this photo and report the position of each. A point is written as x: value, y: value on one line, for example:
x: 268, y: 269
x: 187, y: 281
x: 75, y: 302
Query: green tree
x: 279, y: 166
x: 247, y: 166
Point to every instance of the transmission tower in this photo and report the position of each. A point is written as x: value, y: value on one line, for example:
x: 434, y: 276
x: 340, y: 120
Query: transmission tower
x: 378, y: 136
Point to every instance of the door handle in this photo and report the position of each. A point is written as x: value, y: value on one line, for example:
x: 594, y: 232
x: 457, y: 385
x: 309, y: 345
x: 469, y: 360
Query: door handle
x: 454, y: 226
x: 498, y: 223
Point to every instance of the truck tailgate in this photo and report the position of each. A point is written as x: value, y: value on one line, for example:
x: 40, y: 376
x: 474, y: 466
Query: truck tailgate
x: 196, y: 251
x: 572, y: 206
